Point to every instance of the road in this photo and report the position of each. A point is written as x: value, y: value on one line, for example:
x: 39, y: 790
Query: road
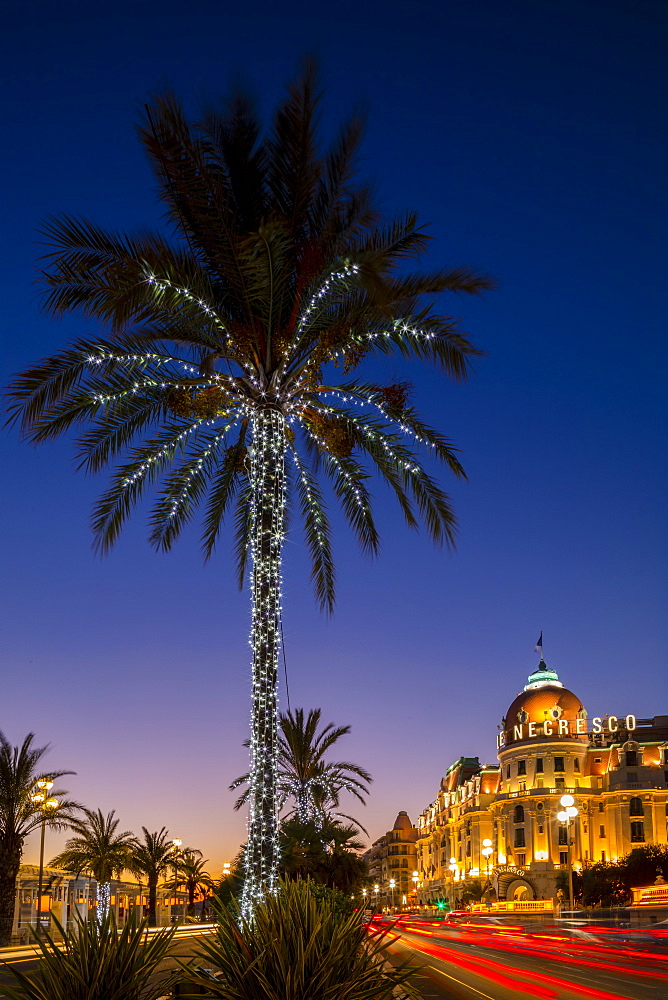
x: 504, y: 964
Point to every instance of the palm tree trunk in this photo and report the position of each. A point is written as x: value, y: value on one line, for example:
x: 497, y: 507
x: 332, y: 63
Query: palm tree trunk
x: 303, y: 801
x: 153, y: 901
x: 10, y: 862
x: 267, y: 517
x: 103, y: 897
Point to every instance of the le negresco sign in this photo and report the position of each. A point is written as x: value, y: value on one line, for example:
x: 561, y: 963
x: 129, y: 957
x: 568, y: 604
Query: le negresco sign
x: 565, y: 727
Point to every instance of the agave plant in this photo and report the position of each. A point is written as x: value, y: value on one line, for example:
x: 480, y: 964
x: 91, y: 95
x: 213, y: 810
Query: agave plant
x: 297, y: 947
x: 96, y: 961
x: 225, y: 369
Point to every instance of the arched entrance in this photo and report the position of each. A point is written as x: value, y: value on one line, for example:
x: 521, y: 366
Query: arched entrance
x: 520, y: 889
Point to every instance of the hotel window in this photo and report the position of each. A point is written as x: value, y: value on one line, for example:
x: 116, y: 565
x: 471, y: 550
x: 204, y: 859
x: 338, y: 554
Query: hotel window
x: 636, y: 807
x: 563, y: 857
x: 597, y: 760
x: 601, y: 831
x: 602, y: 855
x: 521, y: 860
x: 631, y: 758
x: 519, y: 837
x: 576, y: 765
x: 508, y: 771
x: 540, y: 829
x: 539, y: 765
x: 558, y: 763
x: 539, y: 782
x: 637, y: 833
x: 563, y: 836
x: 601, y: 807
x: 522, y: 787
x: 521, y: 767
x: 519, y: 814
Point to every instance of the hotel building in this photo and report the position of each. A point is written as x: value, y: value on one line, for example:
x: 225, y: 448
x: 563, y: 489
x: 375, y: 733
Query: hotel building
x: 499, y: 824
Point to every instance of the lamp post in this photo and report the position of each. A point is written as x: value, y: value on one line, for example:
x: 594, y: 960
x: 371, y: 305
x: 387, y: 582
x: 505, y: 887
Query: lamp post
x: 568, y: 813
x: 392, y: 885
x: 376, y: 890
x: 46, y: 805
x: 453, y: 868
x: 176, y: 847
x: 364, y: 893
x: 487, y: 850
x: 415, y: 878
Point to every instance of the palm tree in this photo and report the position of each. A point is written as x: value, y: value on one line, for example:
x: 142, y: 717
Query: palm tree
x: 191, y: 873
x: 219, y: 374
x: 151, y: 858
x: 303, y: 774
x: 99, y: 851
x: 327, y: 853
x: 21, y: 813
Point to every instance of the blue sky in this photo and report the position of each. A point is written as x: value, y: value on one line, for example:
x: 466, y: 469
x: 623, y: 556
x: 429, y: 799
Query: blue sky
x: 529, y: 136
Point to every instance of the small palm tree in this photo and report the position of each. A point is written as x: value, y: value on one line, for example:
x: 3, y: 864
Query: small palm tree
x: 328, y: 853
x: 191, y: 874
x: 150, y: 859
x: 99, y: 851
x: 225, y: 371
x: 20, y: 814
x: 304, y: 775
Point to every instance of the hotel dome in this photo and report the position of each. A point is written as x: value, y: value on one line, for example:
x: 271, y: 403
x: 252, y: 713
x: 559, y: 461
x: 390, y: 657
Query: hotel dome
x: 544, y: 699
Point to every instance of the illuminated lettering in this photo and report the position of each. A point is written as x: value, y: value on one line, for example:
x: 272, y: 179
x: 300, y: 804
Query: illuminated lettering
x: 563, y: 727
x: 518, y: 733
x: 532, y: 729
x: 613, y: 724
x: 580, y: 726
x: 596, y: 725
x: 630, y: 722
x: 547, y: 728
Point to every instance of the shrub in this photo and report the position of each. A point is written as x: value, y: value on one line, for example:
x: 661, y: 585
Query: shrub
x: 297, y: 947
x: 96, y: 962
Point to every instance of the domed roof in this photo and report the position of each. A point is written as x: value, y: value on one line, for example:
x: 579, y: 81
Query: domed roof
x: 402, y: 822
x: 544, y: 710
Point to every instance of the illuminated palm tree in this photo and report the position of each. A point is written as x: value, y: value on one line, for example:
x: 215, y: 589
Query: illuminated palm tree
x: 304, y: 775
x: 21, y: 812
x: 226, y: 372
x: 99, y: 851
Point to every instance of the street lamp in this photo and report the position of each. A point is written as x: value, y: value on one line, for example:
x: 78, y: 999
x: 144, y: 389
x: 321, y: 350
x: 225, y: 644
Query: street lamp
x: 46, y: 805
x: 392, y: 885
x: 568, y: 813
x: 415, y: 878
x: 176, y: 847
x: 376, y: 890
x: 364, y: 892
x: 453, y: 868
x: 487, y: 851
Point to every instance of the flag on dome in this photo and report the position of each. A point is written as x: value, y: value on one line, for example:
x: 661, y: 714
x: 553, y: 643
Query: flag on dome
x: 538, y: 648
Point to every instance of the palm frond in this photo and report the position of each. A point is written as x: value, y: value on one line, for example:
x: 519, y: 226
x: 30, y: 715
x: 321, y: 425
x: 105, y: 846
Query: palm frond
x: 317, y: 533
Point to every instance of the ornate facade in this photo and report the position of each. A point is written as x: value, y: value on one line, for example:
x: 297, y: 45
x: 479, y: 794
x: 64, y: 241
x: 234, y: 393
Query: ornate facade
x: 614, y: 767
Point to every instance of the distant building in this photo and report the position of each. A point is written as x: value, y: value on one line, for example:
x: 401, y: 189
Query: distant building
x: 64, y: 893
x: 394, y: 856
x: 615, y: 767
